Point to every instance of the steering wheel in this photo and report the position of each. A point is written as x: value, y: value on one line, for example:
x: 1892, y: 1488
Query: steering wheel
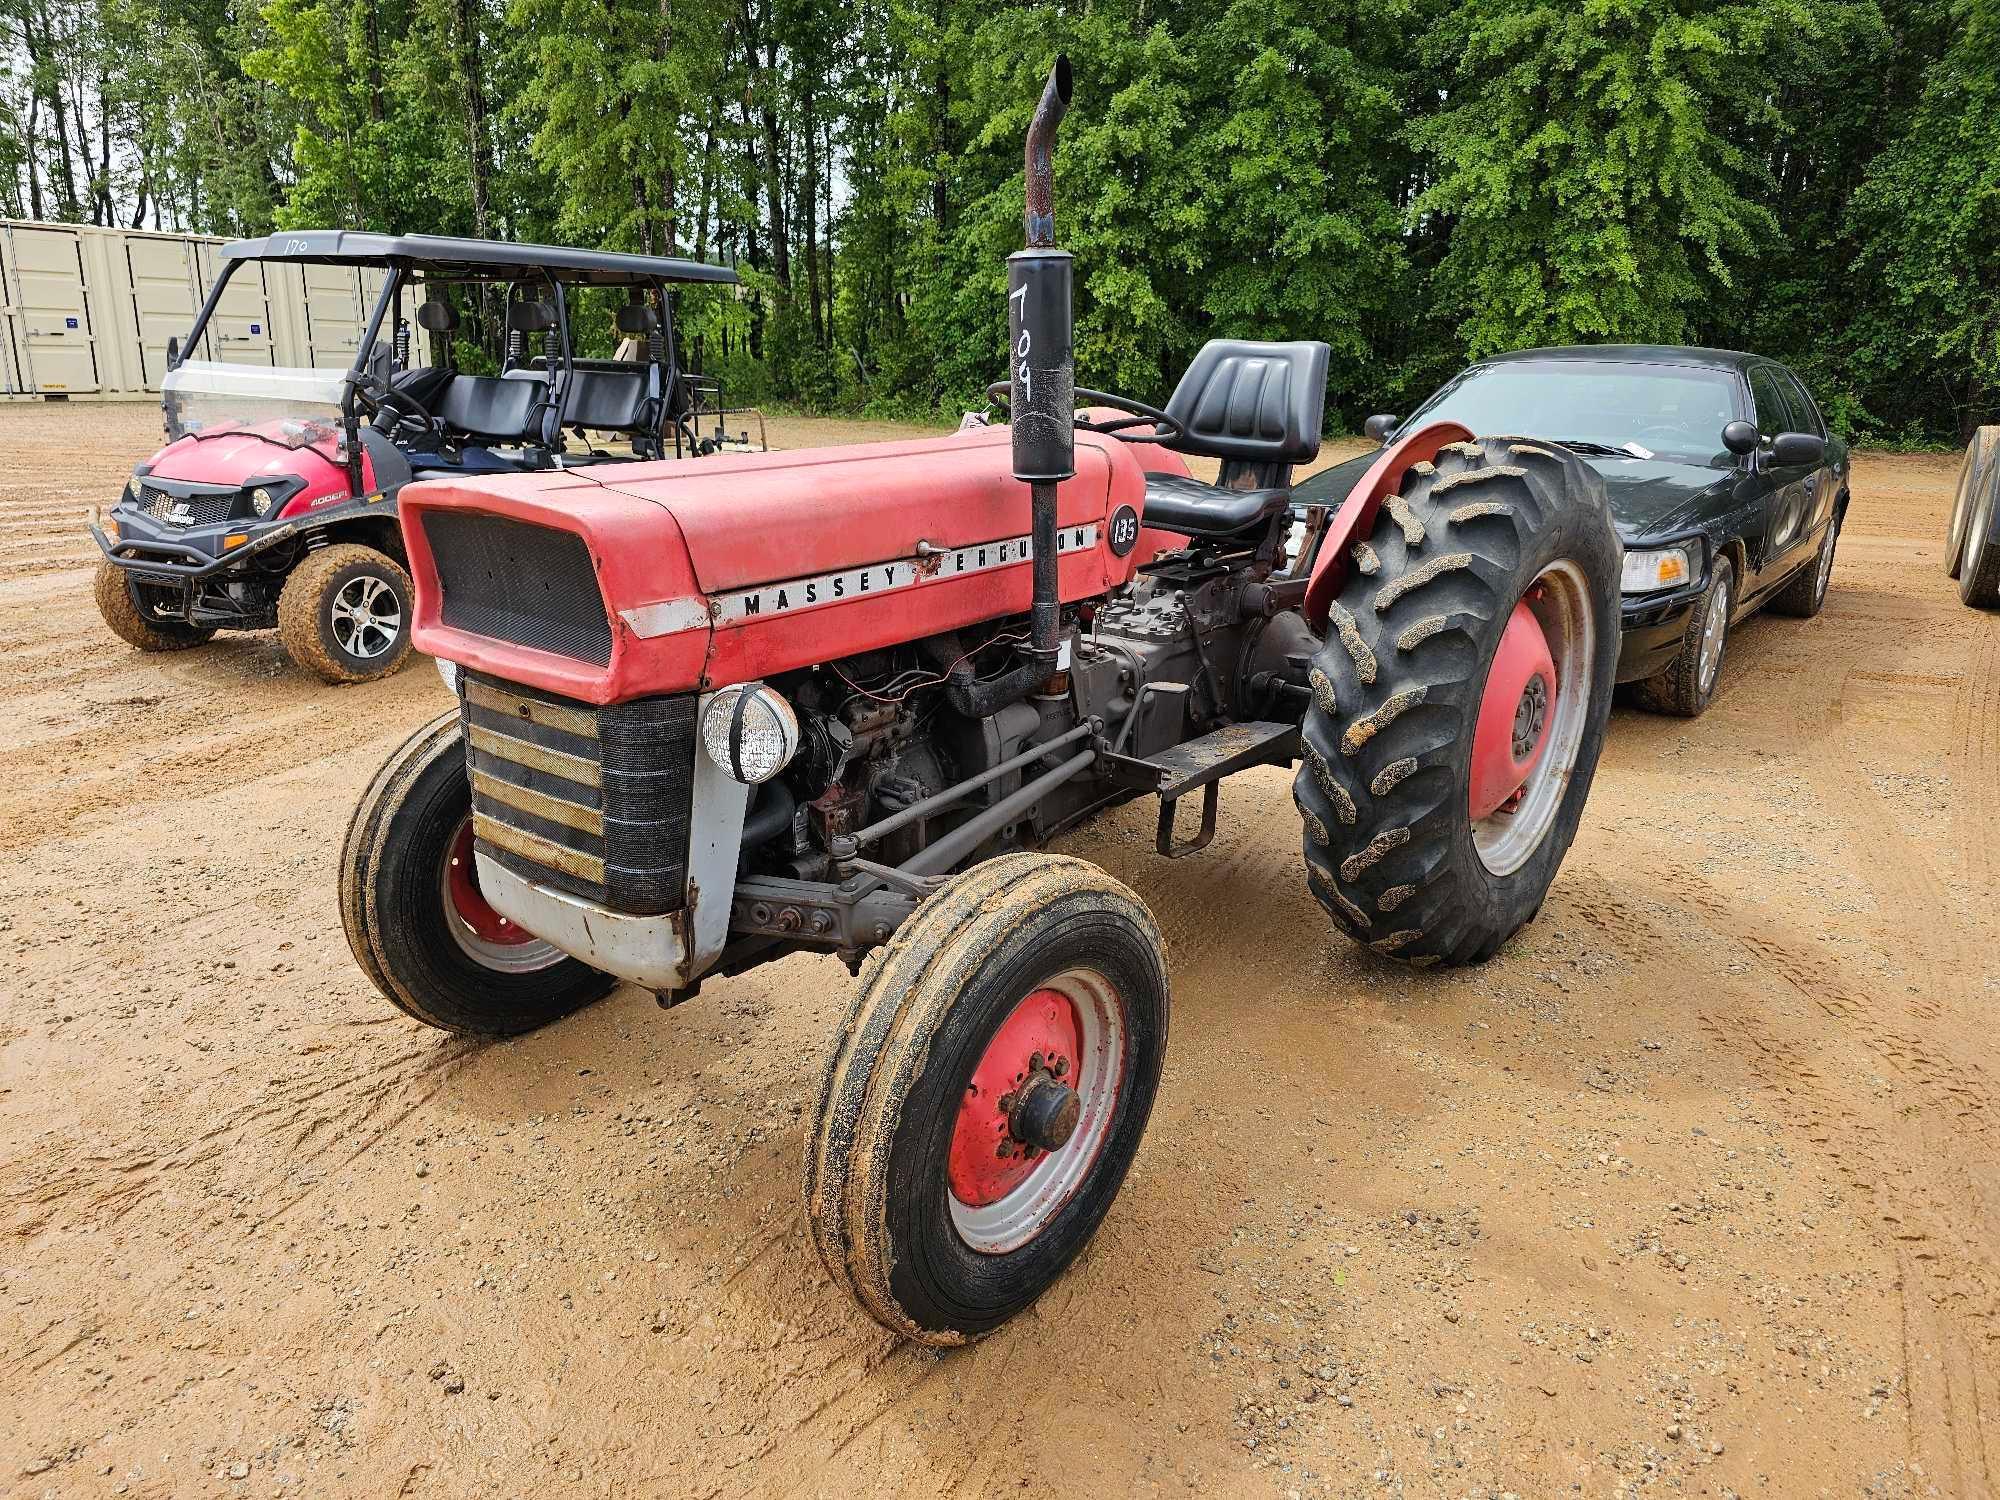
x: 1663, y: 433
x: 1142, y: 415
x: 405, y: 411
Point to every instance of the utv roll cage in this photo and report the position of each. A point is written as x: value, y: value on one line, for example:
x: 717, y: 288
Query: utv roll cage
x: 410, y: 260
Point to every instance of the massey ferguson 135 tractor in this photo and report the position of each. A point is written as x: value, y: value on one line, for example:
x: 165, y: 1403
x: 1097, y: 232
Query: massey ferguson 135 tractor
x: 832, y: 700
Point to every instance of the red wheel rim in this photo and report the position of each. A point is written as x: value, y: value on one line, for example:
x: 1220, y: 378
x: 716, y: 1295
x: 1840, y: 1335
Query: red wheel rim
x: 467, y: 904
x: 1042, y: 1033
x: 1515, y: 712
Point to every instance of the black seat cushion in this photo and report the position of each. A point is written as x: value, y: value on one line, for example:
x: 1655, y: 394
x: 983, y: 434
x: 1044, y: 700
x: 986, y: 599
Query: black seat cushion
x: 606, y: 400
x: 1253, y: 402
x: 1188, y: 506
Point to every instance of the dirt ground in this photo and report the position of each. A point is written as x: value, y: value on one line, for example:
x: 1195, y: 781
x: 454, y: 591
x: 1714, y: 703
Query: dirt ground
x: 1696, y: 1186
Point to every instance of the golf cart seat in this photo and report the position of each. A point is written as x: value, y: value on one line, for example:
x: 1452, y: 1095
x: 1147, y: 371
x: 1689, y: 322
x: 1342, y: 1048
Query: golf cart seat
x: 1258, y: 408
x: 510, y: 408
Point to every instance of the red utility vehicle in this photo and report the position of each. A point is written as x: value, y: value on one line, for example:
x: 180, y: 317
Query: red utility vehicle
x: 274, y: 501
x: 832, y: 701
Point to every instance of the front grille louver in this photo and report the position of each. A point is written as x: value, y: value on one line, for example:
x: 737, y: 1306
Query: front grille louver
x: 515, y: 581
x: 592, y: 801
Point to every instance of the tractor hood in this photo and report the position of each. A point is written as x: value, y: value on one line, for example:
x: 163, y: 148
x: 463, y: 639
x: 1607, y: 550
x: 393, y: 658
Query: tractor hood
x: 618, y: 581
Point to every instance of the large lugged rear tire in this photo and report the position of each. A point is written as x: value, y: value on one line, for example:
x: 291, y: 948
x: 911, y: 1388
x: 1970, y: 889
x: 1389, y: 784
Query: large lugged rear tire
x: 410, y: 905
x: 988, y: 1092
x: 344, y: 613
x: 1980, y: 454
x: 1387, y: 780
x: 120, y: 607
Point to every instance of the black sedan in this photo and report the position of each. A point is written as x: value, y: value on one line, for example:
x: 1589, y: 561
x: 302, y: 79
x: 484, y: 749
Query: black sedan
x: 1725, y: 486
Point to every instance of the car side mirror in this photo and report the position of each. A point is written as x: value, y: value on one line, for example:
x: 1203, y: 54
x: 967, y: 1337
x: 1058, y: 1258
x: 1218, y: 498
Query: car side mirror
x: 1740, y: 438
x: 1379, y: 427
x: 1798, y: 450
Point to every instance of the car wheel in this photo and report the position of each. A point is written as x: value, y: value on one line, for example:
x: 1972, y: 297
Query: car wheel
x: 1972, y: 475
x: 1688, y: 686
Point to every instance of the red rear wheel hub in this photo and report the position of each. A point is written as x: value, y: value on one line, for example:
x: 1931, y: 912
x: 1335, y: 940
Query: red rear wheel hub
x: 1514, y: 713
x: 462, y: 882
x: 1041, y: 1037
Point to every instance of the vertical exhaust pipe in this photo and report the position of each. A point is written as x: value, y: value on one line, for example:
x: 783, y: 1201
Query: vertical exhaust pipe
x: 1042, y: 362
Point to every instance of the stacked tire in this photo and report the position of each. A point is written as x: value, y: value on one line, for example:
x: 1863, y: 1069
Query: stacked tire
x: 1972, y: 542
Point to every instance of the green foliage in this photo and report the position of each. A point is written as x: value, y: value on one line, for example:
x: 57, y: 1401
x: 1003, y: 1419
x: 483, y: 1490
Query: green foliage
x: 1417, y: 183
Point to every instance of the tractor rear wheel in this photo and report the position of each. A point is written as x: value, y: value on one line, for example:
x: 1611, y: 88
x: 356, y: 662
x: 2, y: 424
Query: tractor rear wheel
x: 1980, y: 454
x: 987, y: 1093
x: 118, y: 601
x: 413, y: 914
x: 1460, y: 701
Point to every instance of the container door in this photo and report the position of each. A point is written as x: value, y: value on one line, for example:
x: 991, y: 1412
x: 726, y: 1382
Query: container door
x: 239, y: 333
x: 163, y: 299
x: 334, y: 315
x: 42, y: 270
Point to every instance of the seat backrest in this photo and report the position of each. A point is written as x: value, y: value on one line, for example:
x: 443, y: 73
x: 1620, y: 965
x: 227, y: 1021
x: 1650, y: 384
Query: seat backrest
x: 604, y: 400
x: 1253, y: 402
x: 498, y: 409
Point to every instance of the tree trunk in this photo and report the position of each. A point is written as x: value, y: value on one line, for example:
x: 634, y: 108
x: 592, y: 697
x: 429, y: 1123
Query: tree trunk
x: 371, y: 41
x: 809, y: 197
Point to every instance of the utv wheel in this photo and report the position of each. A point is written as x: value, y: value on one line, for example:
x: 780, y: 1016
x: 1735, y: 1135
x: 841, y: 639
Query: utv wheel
x: 1804, y: 594
x: 345, y: 613
x: 988, y: 1092
x: 1460, y: 701
x: 1972, y: 475
x: 1688, y: 686
x: 119, y: 602
x: 1979, y: 559
x: 414, y: 917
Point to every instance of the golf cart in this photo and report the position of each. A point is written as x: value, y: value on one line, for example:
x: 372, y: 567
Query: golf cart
x: 274, y: 501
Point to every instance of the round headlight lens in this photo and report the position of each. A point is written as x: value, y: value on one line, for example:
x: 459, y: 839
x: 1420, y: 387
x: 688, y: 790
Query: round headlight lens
x: 133, y: 486
x: 260, y: 500
x: 750, y: 731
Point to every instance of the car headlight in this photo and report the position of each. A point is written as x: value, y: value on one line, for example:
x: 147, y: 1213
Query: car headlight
x: 133, y: 486
x: 261, y: 500
x: 1649, y: 571
x: 750, y: 731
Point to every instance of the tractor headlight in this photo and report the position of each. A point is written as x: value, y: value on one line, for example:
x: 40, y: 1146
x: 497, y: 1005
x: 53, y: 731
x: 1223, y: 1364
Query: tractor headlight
x: 750, y: 731
x: 261, y: 500
x: 1648, y: 572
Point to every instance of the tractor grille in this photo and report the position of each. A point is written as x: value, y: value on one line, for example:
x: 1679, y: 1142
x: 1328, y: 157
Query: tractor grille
x: 202, y: 508
x: 592, y: 801
x: 532, y: 585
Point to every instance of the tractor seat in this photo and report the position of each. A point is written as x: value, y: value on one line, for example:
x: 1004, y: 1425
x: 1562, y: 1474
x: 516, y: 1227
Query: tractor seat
x: 1258, y: 408
x: 1187, y: 506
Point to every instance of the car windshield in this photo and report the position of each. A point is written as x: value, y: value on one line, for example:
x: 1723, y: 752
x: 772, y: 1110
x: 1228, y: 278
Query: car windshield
x: 294, y: 408
x: 1647, y: 411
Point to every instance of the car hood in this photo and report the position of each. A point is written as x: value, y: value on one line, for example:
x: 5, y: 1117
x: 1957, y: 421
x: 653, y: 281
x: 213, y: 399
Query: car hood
x: 1649, y: 497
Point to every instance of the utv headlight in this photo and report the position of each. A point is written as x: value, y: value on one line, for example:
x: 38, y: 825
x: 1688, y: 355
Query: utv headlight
x: 750, y: 731
x: 1648, y: 572
x: 133, y: 486
x: 261, y: 500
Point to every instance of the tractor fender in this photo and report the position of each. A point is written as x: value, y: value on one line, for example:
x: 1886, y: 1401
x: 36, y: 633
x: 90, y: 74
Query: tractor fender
x: 1356, y: 517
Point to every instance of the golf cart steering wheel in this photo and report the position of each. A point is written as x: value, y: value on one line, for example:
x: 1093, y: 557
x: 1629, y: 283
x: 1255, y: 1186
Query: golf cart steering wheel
x: 405, y: 411
x: 1142, y: 416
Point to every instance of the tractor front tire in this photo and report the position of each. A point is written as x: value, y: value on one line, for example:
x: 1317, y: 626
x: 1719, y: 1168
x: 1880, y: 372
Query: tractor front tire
x: 119, y: 604
x: 344, y: 613
x: 1391, y: 741
x: 986, y: 1095
x: 414, y: 918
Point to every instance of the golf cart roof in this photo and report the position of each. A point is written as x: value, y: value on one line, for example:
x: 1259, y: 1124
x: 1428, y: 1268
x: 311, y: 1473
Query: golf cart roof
x: 497, y: 260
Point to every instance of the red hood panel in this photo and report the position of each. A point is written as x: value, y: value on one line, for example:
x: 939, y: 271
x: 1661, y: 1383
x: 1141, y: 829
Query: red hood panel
x: 725, y: 569
x: 239, y: 457
x: 757, y: 517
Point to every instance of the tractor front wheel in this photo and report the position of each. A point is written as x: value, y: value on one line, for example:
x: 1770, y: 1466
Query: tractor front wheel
x: 414, y: 916
x: 986, y: 1095
x: 1460, y: 702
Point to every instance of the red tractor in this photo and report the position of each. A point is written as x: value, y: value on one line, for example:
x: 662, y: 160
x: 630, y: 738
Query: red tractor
x: 833, y: 700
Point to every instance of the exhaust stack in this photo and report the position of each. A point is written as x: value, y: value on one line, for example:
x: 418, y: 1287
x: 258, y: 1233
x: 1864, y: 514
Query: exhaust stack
x: 1042, y: 361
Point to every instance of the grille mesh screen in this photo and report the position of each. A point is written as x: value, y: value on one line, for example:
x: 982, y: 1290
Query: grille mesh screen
x: 513, y: 581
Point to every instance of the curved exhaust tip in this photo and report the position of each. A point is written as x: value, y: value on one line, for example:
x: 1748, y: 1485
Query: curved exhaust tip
x: 1039, y: 216
x: 1059, y: 78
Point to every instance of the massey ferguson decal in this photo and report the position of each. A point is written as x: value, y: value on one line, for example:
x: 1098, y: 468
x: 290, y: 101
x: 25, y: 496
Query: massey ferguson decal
x: 671, y: 616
